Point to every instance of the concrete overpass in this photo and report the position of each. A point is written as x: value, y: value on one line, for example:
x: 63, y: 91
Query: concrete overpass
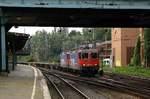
x: 84, y: 13
x: 80, y: 13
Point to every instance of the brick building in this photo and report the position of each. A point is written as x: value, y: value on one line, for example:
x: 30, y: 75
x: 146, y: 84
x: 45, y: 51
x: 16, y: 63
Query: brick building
x: 104, y: 49
x: 123, y: 43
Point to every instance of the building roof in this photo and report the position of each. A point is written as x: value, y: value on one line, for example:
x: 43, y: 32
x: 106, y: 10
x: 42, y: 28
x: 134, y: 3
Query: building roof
x: 102, y: 43
x: 16, y: 39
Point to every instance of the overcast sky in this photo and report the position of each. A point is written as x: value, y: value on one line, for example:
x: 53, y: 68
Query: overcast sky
x: 32, y: 30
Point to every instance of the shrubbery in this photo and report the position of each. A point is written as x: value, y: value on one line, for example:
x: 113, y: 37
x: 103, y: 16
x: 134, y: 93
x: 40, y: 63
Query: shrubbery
x: 136, y: 60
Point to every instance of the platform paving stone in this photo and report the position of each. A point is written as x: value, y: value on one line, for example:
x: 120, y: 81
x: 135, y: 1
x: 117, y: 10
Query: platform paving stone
x: 19, y: 84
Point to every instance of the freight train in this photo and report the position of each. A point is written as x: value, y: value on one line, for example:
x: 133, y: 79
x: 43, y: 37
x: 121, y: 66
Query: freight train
x: 83, y: 61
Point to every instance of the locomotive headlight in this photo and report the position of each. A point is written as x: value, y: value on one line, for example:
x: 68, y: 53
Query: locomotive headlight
x: 95, y: 64
x: 83, y: 64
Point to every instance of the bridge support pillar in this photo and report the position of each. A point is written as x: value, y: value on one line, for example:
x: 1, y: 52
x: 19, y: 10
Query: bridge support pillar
x: 3, y: 52
x: 14, y: 61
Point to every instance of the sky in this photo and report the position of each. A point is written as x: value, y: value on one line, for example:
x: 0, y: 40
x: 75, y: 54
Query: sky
x: 32, y: 30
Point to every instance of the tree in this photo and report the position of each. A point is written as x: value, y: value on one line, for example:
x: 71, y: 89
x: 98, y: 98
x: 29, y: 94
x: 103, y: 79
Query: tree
x: 147, y: 47
x: 100, y: 34
x: 136, y: 55
x: 75, y: 38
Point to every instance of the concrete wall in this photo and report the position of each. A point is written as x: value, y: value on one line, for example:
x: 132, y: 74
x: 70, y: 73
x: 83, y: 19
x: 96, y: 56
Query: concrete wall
x: 123, y: 43
x: 116, y: 46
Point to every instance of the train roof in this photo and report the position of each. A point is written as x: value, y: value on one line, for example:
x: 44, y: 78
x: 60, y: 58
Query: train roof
x: 88, y: 50
x: 81, y: 50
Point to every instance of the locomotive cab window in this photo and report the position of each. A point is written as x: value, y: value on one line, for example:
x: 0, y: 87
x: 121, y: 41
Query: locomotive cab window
x: 94, y: 55
x: 79, y: 55
x: 84, y: 55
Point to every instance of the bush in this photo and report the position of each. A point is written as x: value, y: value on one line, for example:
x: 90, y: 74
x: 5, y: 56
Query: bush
x: 147, y: 47
x: 26, y: 58
x: 136, y: 61
x: 134, y: 71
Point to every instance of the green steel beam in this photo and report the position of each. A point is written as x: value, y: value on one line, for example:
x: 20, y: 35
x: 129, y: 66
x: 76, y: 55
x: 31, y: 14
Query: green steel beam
x: 3, y: 45
x: 97, y: 4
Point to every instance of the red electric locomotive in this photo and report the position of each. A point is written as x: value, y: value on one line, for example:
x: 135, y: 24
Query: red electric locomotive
x: 84, y: 60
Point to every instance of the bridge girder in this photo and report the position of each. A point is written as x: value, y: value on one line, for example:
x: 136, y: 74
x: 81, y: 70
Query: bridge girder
x: 96, y: 4
x: 15, y: 16
x: 76, y: 13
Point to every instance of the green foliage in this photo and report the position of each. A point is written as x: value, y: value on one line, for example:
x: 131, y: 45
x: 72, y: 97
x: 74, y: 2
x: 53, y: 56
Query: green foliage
x: 136, y: 55
x: 98, y: 34
x: 25, y: 58
x: 147, y: 47
x: 102, y: 34
x: 134, y: 71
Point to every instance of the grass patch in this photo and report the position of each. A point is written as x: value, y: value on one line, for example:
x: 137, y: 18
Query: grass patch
x: 25, y: 58
x: 134, y: 71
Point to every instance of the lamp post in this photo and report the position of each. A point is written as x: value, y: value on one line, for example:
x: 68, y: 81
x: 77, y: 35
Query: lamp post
x: 94, y: 42
x: 93, y: 37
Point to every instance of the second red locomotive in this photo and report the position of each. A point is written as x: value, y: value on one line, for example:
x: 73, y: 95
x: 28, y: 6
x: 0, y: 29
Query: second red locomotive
x: 83, y: 60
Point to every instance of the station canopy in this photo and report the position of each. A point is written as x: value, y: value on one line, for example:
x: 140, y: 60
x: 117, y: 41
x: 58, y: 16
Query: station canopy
x: 16, y: 41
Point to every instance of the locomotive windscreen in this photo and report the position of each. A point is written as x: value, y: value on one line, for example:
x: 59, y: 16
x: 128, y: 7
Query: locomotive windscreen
x: 94, y: 55
x: 84, y: 55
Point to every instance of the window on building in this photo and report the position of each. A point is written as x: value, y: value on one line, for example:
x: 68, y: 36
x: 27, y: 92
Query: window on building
x: 130, y: 51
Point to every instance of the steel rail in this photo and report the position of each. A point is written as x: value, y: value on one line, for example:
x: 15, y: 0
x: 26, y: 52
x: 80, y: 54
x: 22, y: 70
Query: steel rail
x: 76, y: 89
x: 111, y: 85
x: 73, y: 87
x: 122, y: 83
x: 62, y: 97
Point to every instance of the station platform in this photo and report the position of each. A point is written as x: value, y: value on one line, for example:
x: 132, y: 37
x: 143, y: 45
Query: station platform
x: 25, y: 82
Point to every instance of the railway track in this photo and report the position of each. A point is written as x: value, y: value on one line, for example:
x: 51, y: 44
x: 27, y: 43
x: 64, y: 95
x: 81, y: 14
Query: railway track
x: 95, y: 92
x: 126, y: 84
x: 64, y: 89
x: 108, y: 83
x: 55, y: 93
x: 117, y: 86
x: 130, y: 80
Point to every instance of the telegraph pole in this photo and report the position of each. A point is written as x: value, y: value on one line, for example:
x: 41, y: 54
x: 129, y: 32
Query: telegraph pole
x: 94, y: 43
